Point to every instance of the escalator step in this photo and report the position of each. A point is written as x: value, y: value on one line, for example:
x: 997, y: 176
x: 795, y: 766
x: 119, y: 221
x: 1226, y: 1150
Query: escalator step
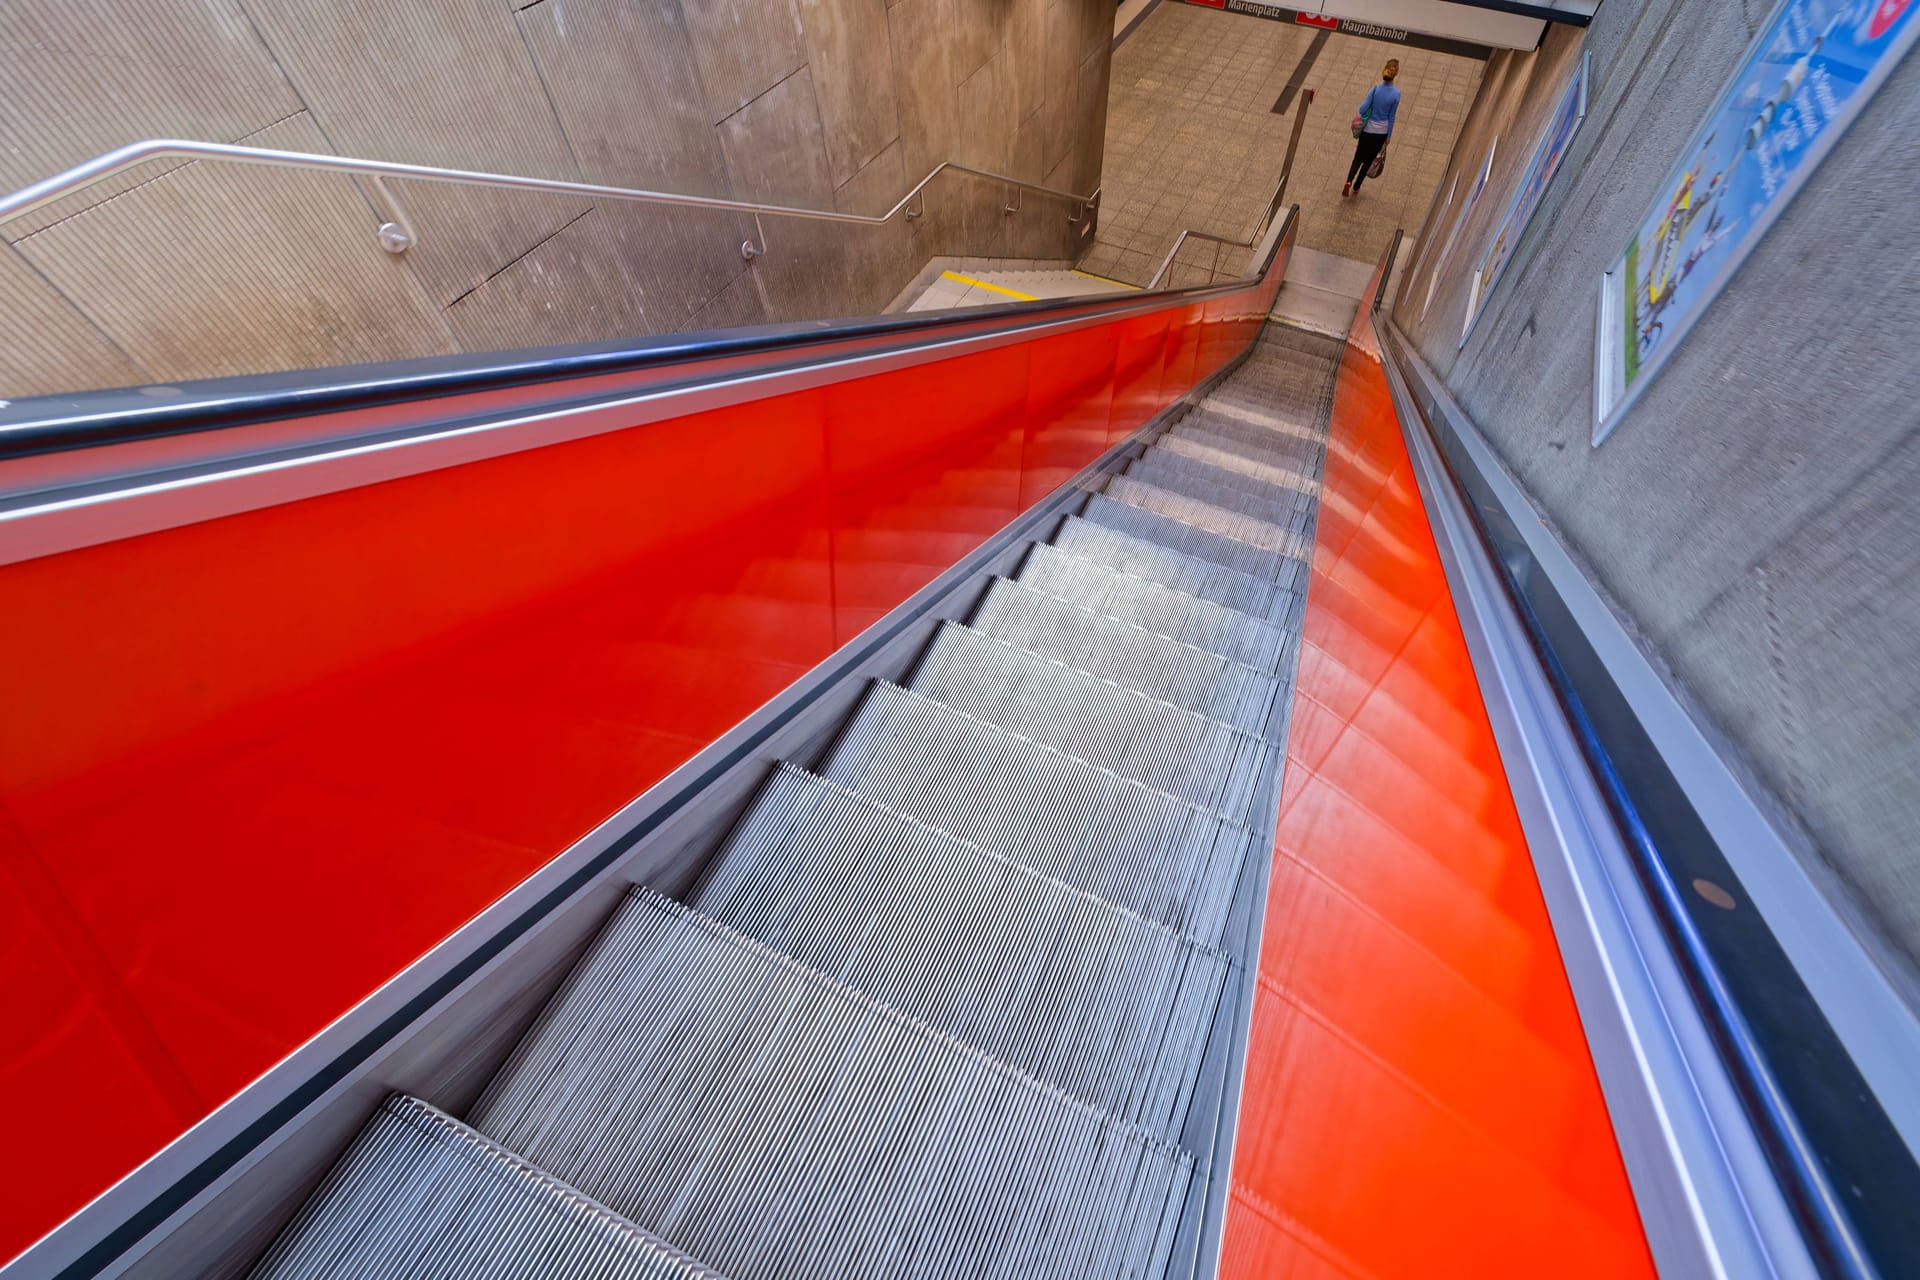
x: 1157, y: 462
x: 1277, y: 419
x: 1297, y: 391
x: 1222, y: 453
x: 1193, y: 756
x: 1157, y: 562
x: 1083, y: 995
x: 420, y: 1195
x: 1278, y: 360
x: 1295, y: 511
x: 778, y: 1124
x: 1279, y: 457
x: 1156, y: 665
x: 1191, y: 540
x: 1272, y: 444
x: 1148, y: 604
x: 1165, y: 858
x: 1271, y: 538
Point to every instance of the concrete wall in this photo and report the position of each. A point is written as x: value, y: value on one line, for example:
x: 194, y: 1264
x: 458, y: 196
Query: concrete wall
x: 181, y: 271
x: 1755, y: 515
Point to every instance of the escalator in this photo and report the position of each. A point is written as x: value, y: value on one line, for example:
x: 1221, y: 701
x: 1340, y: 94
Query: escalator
x: 1098, y: 787
x: 946, y: 1003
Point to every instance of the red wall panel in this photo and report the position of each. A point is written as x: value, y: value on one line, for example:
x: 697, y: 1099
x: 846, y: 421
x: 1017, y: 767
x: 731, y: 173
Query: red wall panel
x: 251, y: 768
x: 1419, y: 1097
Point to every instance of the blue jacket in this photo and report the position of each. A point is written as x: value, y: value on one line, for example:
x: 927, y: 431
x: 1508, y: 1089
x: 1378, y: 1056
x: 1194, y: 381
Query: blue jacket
x: 1380, y: 107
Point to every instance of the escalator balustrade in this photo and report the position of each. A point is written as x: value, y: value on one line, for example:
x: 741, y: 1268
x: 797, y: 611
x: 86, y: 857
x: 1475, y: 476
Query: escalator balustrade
x: 939, y: 1007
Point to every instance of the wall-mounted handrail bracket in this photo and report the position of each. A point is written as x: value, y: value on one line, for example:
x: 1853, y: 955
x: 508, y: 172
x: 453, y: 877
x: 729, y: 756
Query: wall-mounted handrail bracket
x: 396, y: 232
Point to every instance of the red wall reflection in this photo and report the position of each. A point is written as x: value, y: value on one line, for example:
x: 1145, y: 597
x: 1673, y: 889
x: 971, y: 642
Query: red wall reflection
x: 1419, y: 1097
x: 251, y: 768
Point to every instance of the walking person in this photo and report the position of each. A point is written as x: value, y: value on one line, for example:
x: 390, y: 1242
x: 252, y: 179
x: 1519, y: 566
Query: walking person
x: 1373, y: 126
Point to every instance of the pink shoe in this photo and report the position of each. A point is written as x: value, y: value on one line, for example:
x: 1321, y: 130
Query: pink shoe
x: 1346, y: 191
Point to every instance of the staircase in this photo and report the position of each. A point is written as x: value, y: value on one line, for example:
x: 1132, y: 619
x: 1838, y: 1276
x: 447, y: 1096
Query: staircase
x: 943, y: 1005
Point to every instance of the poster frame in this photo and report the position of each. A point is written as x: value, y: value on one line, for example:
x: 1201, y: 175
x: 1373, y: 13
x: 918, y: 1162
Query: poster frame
x: 1609, y: 318
x: 1479, y: 288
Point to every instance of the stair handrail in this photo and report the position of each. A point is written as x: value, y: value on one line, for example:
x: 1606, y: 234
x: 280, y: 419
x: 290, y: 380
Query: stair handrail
x: 1260, y: 228
x: 1220, y: 242
x: 397, y: 234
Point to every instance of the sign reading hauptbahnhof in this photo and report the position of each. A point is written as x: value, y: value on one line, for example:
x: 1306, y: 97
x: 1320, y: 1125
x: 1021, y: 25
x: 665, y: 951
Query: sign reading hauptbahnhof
x: 1350, y: 26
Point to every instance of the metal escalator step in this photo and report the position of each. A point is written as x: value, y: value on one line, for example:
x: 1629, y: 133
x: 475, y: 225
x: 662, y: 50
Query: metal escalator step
x: 1190, y: 755
x: 778, y: 1124
x: 1134, y: 553
x: 1076, y: 992
x: 1221, y: 453
x: 1231, y: 437
x: 1190, y: 539
x: 420, y: 1196
x: 1272, y: 538
x: 1304, y: 424
x: 1156, y: 462
x: 1156, y: 665
x: 1294, y: 511
x: 1143, y: 849
x: 1295, y: 380
x: 1148, y: 604
x: 1273, y: 445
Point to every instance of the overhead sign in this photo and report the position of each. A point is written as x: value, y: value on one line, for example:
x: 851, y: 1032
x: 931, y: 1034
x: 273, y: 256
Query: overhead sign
x: 1808, y: 73
x: 1533, y: 189
x: 1576, y: 12
x: 1353, y: 27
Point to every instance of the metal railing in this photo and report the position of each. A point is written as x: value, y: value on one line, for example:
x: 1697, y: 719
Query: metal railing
x: 1386, y: 266
x: 397, y: 233
x: 1260, y: 228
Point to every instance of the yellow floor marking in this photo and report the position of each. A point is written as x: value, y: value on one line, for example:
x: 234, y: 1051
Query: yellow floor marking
x: 1104, y: 280
x: 990, y: 288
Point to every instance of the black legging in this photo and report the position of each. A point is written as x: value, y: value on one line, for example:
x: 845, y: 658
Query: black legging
x: 1364, y: 150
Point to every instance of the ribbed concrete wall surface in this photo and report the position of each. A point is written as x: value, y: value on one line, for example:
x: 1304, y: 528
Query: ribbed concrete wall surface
x: 1754, y: 514
x: 179, y: 271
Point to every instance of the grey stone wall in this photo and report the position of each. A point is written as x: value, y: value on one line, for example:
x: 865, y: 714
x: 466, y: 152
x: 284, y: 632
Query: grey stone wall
x: 191, y: 270
x: 1756, y: 515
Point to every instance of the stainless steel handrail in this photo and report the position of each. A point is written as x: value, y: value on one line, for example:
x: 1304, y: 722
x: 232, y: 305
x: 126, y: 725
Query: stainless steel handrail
x: 1166, y: 263
x: 1386, y: 266
x: 1266, y: 219
x: 398, y: 235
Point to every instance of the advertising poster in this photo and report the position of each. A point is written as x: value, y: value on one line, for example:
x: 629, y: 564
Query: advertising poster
x: 1807, y: 75
x: 1466, y: 211
x: 1533, y: 189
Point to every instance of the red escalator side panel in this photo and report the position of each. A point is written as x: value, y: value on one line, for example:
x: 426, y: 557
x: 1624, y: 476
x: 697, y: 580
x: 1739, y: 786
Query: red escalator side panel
x: 252, y: 768
x: 1419, y: 1098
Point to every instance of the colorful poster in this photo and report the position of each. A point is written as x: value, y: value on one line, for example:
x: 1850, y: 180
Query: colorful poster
x: 1533, y: 188
x: 1806, y: 76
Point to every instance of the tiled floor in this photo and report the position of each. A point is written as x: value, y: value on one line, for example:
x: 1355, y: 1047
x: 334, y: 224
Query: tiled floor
x: 1193, y: 141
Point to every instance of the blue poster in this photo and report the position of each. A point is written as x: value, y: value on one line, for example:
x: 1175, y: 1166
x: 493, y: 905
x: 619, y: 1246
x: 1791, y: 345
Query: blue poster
x: 1813, y: 66
x: 1533, y: 189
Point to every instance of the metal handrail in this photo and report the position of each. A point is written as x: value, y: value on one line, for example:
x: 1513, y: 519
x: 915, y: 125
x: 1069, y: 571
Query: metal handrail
x: 1187, y: 235
x: 1266, y: 219
x: 1386, y: 266
x: 398, y: 235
